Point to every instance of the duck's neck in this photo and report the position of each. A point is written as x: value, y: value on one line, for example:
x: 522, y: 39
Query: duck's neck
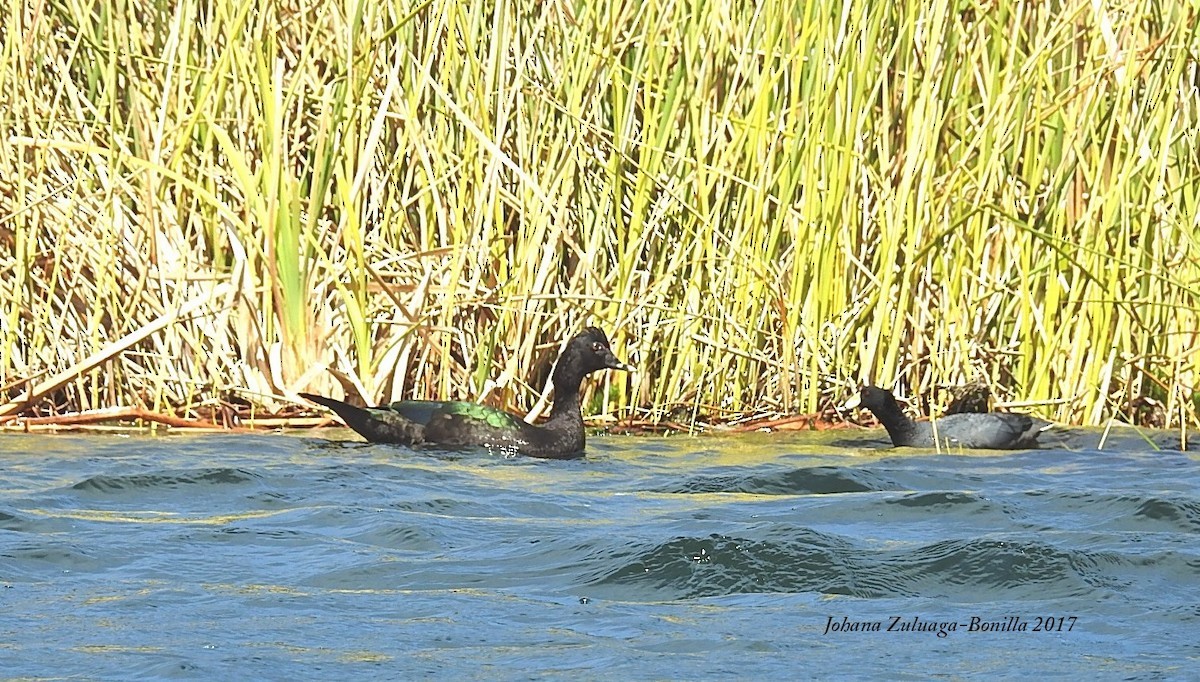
x: 565, y: 409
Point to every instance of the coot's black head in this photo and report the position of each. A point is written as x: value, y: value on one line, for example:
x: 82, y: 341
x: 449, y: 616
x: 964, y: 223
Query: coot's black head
x: 586, y: 352
x: 877, y: 399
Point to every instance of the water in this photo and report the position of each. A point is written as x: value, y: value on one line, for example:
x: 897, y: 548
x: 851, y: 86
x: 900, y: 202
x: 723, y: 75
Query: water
x: 297, y: 557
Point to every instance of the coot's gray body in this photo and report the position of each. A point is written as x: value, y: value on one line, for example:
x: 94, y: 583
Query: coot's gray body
x: 987, y: 431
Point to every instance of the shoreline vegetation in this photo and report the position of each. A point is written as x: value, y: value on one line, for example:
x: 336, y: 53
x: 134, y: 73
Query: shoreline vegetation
x: 206, y: 208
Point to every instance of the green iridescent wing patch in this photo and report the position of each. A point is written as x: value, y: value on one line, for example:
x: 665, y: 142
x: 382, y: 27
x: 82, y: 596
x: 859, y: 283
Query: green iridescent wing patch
x: 497, y: 418
x: 421, y: 411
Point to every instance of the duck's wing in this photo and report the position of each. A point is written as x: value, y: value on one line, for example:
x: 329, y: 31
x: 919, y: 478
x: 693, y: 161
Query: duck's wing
x: 460, y: 424
x: 423, y: 412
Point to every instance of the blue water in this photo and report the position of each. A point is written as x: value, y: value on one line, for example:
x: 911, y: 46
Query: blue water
x: 299, y: 557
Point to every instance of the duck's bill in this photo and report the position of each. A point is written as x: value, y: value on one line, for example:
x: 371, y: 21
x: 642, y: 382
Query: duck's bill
x: 612, y: 362
x: 853, y: 402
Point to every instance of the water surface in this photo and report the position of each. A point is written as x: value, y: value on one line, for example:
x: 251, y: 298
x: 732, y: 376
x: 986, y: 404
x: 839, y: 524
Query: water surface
x: 763, y: 556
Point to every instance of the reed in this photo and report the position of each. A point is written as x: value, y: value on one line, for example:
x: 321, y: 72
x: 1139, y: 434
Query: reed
x: 764, y: 203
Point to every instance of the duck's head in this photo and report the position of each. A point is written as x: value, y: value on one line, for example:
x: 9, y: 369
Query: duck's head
x: 587, y: 352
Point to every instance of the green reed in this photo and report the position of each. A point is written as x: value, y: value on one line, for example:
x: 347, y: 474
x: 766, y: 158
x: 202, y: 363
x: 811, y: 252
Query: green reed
x: 766, y: 203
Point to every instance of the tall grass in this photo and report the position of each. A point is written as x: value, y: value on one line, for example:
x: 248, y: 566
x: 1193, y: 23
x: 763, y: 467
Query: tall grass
x: 764, y: 203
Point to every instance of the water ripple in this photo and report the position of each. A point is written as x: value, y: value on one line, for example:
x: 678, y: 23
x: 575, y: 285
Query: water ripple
x: 119, y: 485
x: 802, y: 481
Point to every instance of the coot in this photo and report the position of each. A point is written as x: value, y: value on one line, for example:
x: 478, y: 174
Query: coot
x: 990, y: 430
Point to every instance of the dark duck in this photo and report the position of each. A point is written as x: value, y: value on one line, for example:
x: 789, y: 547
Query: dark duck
x: 463, y: 425
x: 988, y: 430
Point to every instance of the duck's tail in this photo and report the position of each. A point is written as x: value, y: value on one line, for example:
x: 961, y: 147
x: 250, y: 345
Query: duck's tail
x: 376, y: 424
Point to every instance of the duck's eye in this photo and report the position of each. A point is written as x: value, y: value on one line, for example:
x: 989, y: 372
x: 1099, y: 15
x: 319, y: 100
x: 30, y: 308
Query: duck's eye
x: 598, y: 347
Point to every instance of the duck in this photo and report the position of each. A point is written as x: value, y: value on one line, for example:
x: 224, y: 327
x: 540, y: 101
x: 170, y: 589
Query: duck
x: 459, y: 425
x: 968, y: 398
x: 972, y: 430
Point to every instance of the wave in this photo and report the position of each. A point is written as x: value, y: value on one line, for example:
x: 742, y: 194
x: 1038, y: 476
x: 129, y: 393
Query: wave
x: 166, y: 480
x: 821, y: 480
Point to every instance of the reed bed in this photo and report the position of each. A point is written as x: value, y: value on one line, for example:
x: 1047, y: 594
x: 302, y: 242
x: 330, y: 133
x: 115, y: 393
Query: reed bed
x: 213, y: 205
